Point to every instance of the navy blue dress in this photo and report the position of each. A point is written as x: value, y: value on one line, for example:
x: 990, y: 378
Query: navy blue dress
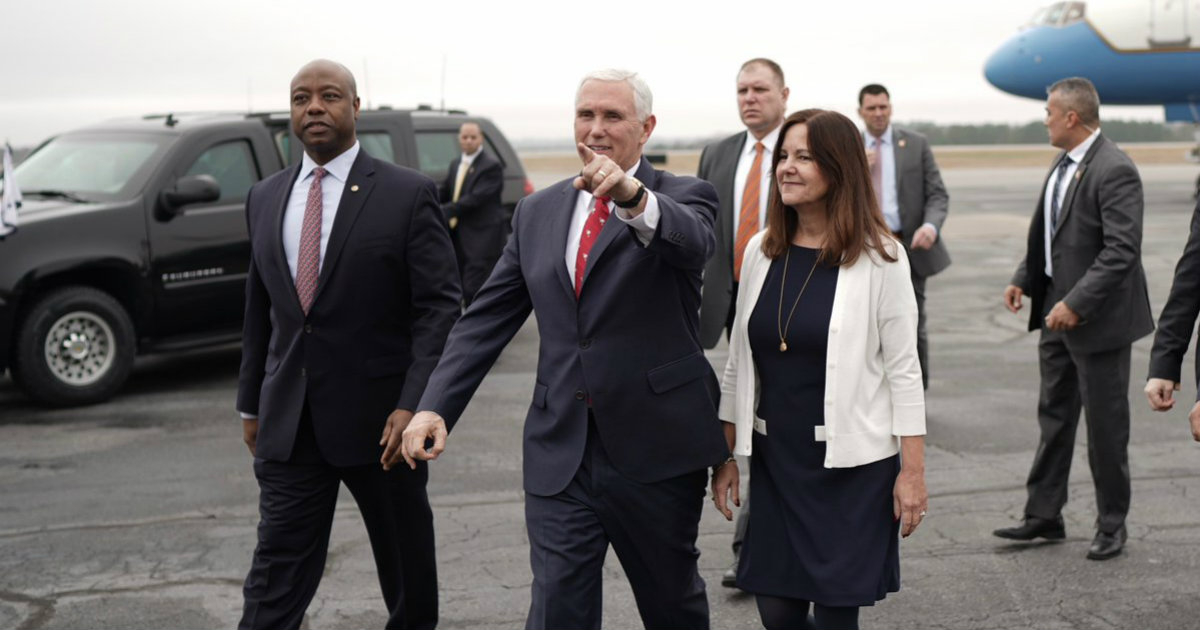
x: 825, y: 535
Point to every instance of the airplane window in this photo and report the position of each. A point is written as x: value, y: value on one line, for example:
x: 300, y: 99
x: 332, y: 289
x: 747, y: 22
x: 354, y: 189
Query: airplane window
x: 1039, y: 17
x: 1054, y: 14
x: 1074, y: 13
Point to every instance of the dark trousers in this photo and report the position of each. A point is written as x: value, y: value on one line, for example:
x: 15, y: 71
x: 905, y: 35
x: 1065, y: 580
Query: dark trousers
x: 918, y: 283
x: 296, y: 506
x: 1097, y: 382
x: 651, y: 526
x: 477, y: 248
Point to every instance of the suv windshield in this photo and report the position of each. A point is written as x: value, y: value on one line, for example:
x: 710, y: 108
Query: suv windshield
x: 98, y: 167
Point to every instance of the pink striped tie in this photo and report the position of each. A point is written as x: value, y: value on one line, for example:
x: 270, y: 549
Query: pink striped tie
x: 308, y: 262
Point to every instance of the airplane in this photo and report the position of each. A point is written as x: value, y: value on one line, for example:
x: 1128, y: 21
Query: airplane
x: 1136, y: 52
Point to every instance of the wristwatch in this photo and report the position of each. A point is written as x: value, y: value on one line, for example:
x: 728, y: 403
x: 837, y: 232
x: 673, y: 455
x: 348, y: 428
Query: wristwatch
x: 633, y: 202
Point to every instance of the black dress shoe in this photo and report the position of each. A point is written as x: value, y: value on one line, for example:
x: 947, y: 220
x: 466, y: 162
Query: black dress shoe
x: 1106, y: 545
x: 729, y: 578
x: 1035, y: 527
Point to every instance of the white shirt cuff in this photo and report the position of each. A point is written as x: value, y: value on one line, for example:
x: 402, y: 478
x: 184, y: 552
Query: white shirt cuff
x: 248, y: 416
x: 935, y: 230
x: 645, y: 224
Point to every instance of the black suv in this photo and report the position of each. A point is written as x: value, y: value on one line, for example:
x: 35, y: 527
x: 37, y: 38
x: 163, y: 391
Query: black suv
x: 132, y: 235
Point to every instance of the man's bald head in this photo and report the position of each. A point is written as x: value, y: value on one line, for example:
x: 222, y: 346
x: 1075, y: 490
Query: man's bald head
x: 328, y: 66
x: 470, y: 138
x: 324, y: 109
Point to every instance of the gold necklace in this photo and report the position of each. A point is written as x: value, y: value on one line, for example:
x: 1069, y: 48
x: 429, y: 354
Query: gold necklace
x: 783, y: 326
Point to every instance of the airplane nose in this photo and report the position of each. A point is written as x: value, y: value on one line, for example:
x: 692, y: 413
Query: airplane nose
x: 1001, y: 67
x: 1009, y: 68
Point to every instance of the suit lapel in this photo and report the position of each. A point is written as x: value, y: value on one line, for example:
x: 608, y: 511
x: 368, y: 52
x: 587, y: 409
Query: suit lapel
x: 453, y: 172
x: 899, y: 149
x: 1073, y: 185
x: 559, y: 228
x: 725, y: 219
x: 614, y: 227
x: 354, y: 195
x: 469, y: 178
x: 279, y: 208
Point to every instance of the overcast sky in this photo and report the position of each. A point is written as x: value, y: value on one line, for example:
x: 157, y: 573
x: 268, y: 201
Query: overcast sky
x: 74, y: 62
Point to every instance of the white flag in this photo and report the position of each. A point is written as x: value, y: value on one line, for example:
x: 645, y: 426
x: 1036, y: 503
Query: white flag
x: 10, y: 200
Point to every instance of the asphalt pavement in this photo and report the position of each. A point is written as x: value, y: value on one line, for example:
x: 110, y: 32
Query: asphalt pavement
x: 141, y: 512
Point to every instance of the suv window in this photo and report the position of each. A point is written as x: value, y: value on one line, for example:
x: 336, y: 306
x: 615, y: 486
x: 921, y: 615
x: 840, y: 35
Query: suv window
x: 436, y: 149
x: 377, y: 144
x: 232, y: 165
x: 283, y: 142
x: 96, y: 165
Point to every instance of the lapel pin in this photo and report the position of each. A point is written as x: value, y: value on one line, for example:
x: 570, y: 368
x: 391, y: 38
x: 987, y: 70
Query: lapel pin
x: 354, y: 188
x: 902, y: 142
x: 1078, y: 175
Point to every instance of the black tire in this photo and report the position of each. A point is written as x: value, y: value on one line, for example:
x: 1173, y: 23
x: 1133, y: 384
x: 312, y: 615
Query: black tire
x: 91, y: 351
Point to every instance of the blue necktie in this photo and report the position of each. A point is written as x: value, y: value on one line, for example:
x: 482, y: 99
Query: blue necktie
x: 1055, y: 204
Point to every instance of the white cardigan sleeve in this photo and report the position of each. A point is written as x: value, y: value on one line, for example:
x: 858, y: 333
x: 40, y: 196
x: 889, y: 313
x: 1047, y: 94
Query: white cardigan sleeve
x: 897, y: 321
x: 739, y: 384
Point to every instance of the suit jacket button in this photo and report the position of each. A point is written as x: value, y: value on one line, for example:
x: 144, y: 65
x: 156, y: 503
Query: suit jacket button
x: 303, y: 373
x: 585, y: 344
x: 308, y: 328
x: 579, y: 395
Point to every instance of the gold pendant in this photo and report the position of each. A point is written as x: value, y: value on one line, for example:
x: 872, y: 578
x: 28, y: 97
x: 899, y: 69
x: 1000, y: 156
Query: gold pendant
x: 782, y: 346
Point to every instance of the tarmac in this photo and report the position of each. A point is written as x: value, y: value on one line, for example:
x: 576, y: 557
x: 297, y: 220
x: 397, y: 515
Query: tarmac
x: 141, y: 512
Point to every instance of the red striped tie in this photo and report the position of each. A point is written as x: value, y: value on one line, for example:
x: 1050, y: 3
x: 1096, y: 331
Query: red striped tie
x: 308, y: 262
x: 591, y: 231
x: 748, y: 219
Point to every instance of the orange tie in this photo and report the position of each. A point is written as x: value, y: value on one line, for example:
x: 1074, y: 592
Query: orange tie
x: 748, y: 219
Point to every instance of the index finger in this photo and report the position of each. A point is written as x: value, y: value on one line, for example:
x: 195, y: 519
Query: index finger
x: 389, y: 457
x: 439, y: 443
x: 408, y: 451
x: 585, y: 154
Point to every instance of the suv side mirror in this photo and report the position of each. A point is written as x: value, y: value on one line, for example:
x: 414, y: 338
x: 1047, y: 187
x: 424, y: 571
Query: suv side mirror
x: 189, y: 190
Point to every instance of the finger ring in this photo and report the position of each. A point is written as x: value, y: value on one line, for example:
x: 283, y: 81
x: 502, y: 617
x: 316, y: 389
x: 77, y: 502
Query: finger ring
x: 603, y: 174
x: 922, y: 513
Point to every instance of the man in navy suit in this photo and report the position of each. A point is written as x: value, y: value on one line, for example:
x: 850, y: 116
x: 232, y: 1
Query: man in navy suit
x: 470, y: 198
x: 351, y: 292
x: 622, y: 425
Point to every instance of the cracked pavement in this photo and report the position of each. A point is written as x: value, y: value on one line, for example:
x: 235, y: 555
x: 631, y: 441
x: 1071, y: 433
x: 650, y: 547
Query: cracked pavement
x: 140, y: 513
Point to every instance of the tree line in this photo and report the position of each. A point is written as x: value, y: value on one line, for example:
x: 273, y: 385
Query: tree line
x: 1034, y: 132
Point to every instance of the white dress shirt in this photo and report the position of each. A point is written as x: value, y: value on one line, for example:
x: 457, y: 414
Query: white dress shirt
x: 1076, y: 156
x: 745, y: 160
x: 887, y: 162
x: 643, y: 224
x: 467, y: 160
x: 337, y: 170
x: 332, y: 184
x: 464, y: 165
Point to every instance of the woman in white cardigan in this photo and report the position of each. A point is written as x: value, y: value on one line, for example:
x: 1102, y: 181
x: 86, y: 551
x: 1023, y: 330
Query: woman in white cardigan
x: 824, y: 386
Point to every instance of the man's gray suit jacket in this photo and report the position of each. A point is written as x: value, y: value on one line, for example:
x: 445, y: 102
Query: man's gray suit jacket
x: 718, y: 164
x: 1096, y: 251
x: 922, y: 198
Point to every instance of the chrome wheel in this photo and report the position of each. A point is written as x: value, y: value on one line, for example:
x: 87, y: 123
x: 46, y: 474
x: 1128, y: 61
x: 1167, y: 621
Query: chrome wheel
x: 79, y: 348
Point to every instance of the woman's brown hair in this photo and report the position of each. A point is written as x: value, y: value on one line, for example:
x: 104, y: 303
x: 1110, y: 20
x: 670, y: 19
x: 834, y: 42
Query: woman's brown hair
x: 854, y: 221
